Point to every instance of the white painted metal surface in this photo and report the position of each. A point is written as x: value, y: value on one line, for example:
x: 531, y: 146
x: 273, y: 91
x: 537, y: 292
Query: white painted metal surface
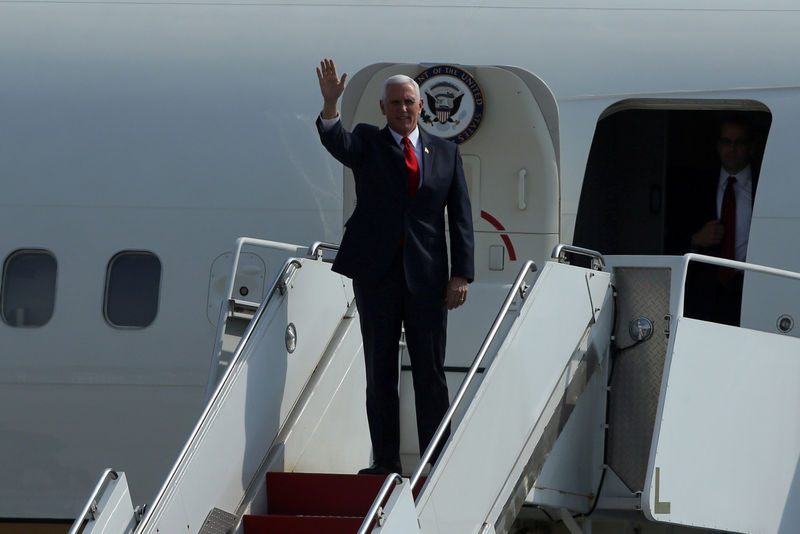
x: 253, y: 402
x: 513, y: 397
x: 561, y: 462
x: 569, y: 521
x: 571, y: 474
x: 329, y: 411
x: 114, y: 510
x: 727, y: 442
x: 242, y: 284
x: 399, y: 512
x: 332, y: 407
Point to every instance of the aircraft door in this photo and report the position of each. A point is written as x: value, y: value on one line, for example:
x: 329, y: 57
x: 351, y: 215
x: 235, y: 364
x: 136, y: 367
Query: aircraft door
x: 505, y: 120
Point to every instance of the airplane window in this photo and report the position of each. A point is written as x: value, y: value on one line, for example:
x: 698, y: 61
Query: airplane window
x: 133, y: 282
x: 29, y: 288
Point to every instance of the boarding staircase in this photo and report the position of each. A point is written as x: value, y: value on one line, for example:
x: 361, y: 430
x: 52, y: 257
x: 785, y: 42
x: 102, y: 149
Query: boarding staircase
x: 530, y: 421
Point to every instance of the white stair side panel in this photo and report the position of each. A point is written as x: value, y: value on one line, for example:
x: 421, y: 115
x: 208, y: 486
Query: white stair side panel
x: 331, y: 434
x: 255, y: 401
x: 727, y: 439
x: 327, y: 431
x: 400, y: 515
x: 474, y: 467
x: 564, y: 449
x: 466, y: 329
x: 115, y: 509
x: 572, y: 471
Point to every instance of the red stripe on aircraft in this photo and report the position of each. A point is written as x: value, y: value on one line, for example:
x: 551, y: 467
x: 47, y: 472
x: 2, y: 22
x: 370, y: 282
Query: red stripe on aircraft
x: 512, y: 255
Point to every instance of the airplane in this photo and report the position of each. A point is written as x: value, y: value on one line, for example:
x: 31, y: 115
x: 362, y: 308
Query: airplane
x: 140, y: 140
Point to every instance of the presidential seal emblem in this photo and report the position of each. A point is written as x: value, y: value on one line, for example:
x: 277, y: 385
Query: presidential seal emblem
x: 452, y: 102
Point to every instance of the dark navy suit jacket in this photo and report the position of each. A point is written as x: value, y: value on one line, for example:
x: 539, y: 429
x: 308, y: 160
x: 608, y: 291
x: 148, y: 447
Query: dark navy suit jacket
x: 698, y: 205
x: 706, y: 297
x: 385, y: 217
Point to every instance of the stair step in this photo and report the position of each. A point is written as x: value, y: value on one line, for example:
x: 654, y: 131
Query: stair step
x: 321, y: 494
x: 280, y: 524
x: 313, y: 503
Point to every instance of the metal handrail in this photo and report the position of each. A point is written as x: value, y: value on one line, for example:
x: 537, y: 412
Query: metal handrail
x: 733, y: 264
x: 741, y: 265
x: 297, y: 250
x: 314, y: 249
x: 561, y: 248
x: 291, y: 262
x: 448, y: 416
x: 529, y: 265
x: 91, y: 504
x: 394, y: 478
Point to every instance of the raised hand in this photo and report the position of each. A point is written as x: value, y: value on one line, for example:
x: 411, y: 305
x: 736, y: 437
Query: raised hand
x: 331, y: 87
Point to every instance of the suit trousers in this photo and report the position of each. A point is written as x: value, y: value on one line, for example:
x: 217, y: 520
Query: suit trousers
x: 384, y: 306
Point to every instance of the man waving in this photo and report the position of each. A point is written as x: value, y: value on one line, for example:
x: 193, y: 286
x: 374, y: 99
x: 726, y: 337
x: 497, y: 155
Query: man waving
x: 394, y: 248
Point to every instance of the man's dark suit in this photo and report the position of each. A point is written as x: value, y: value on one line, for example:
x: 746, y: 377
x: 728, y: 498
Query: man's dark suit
x: 706, y: 297
x: 395, y: 250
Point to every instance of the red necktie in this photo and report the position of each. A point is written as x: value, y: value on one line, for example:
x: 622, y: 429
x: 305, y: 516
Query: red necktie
x: 728, y: 218
x: 412, y: 166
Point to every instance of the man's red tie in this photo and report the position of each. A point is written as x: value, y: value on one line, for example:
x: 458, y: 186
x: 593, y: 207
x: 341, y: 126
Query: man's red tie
x: 728, y: 218
x: 412, y: 166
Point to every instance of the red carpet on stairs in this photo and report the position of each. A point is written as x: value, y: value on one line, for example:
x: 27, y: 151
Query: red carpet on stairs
x: 313, y: 503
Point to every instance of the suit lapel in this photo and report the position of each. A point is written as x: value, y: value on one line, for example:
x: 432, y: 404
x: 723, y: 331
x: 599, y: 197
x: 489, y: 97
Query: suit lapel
x: 386, y: 135
x: 395, y: 153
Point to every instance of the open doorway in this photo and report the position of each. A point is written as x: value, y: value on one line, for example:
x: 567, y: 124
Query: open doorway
x: 646, y: 161
x: 657, y: 182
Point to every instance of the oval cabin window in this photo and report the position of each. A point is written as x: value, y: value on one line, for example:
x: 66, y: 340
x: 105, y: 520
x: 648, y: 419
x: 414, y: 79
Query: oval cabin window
x: 29, y: 288
x: 133, y: 283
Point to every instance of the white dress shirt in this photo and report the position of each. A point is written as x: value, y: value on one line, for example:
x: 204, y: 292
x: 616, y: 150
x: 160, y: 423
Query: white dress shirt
x: 743, y: 191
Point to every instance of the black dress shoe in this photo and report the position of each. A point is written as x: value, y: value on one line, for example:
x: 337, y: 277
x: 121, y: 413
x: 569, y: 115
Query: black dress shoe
x: 380, y: 468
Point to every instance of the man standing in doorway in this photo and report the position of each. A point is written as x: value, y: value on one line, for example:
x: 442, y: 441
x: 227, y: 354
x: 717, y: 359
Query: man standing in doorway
x: 722, y: 228
x: 394, y: 248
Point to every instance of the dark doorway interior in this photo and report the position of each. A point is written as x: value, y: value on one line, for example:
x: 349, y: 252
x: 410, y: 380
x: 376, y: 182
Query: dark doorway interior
x: 642, y: 165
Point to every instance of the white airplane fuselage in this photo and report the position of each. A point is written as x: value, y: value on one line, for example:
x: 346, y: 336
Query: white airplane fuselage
x: 174, y: 128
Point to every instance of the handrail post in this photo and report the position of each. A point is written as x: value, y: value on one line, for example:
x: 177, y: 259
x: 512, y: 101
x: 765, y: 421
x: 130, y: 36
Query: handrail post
x: 91, y: 503
x: 315, y: 250
x: 598, y: 263
x: 394, y: 478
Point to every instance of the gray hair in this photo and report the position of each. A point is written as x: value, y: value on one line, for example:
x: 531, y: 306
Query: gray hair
x: 399, y: 79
